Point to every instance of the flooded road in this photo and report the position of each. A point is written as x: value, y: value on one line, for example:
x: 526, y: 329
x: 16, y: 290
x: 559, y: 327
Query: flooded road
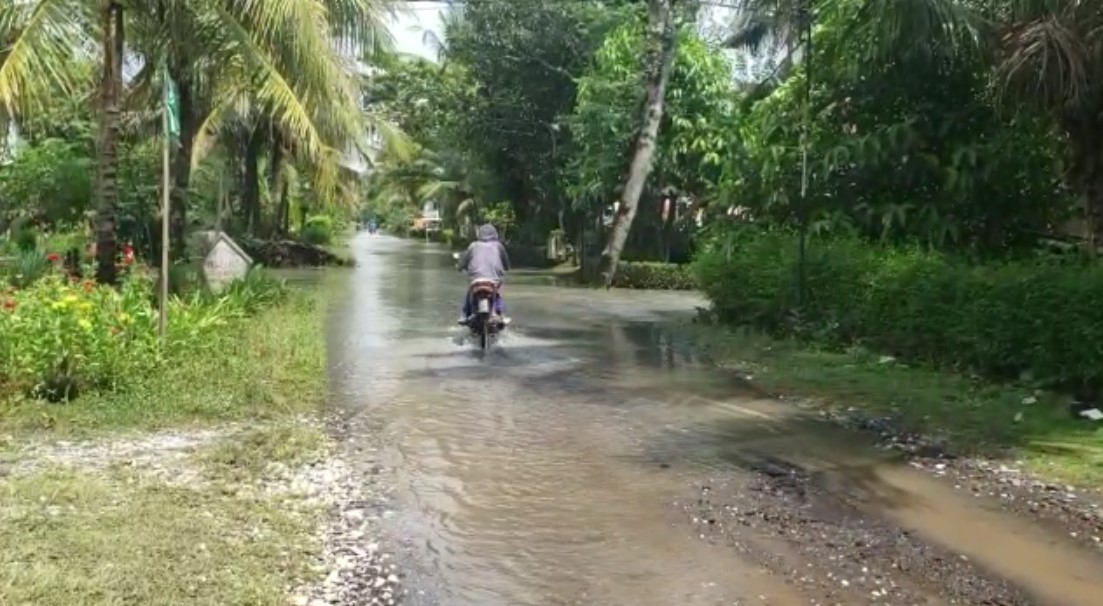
x: 591, y: 459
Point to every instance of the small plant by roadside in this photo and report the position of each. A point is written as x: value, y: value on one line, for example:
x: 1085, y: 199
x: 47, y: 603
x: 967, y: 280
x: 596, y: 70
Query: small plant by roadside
x: 25, y: 268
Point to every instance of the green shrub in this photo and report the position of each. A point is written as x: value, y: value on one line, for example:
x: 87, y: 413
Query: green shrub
x: 61, y: 337
x: 65, y: 337
x: 318, y: 230
x: 63, y: 241
x: 185, y: 278
x: 654, y: 276
x: 257, y: 291
x: 28, y: 267
x: 1026, y: 319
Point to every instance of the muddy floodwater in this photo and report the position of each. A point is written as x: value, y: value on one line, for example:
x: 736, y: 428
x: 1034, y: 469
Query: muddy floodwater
x: 592, y: 459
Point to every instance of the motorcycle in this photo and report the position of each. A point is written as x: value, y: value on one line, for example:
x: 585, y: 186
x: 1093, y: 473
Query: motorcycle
x: 484, y: 322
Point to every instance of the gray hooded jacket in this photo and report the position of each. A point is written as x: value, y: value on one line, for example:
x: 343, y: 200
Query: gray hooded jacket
x: 485, y: 259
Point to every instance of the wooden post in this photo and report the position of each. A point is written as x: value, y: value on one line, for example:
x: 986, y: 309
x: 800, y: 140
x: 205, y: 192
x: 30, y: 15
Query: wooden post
x: 166, y: 185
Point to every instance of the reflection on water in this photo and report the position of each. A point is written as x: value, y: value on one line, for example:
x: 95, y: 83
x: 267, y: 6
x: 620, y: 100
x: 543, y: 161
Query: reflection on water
x: 522, y: 475
x: 543, y: 473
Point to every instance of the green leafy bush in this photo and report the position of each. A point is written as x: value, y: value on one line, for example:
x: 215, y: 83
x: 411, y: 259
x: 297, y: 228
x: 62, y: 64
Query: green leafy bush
x: 318, y: 230
x: 53, y: 177
x: 1031, y: 319
x: 61, y: 337
x: 64, y: 337
x: 654, y: 276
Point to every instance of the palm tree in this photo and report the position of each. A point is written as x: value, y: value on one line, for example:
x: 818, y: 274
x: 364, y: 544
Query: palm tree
x: 305, y: 103
x: 41, y: 43
x: 1051, y: 57
x: 110, y: 99
x: 281, y: 64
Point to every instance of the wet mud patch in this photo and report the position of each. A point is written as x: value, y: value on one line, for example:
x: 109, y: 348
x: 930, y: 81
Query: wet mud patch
x: 788, y: 521
x: 1064, y: 509
x: 1060, y: 508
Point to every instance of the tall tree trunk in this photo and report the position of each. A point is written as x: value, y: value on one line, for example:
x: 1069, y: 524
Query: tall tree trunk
x: 181, y: 164
x: 285, y: 209
x: 251, y: 186
x: 111, y: 20
x: 662, y: 39
x: 275, y: 174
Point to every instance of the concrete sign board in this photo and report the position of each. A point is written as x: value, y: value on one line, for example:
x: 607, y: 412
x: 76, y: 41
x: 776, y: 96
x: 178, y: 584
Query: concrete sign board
x: 225, y: 262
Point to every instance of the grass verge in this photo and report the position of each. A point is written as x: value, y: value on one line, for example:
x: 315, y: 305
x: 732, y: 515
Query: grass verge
x: 973, y: 416
x: 217, y: 521
x: 268, y: 367
x: 70, y: 537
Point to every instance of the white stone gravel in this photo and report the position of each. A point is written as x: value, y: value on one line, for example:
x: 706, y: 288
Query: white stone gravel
x: 351, y: 570
x: 357, y: 571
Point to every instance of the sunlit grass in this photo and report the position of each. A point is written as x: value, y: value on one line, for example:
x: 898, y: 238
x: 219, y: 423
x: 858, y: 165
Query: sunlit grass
x: 74, y: 538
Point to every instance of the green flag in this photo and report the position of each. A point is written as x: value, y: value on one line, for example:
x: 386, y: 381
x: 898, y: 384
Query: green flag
x: 171, y: 103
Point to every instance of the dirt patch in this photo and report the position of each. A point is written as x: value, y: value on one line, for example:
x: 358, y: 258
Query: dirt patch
x: 290, y: 253
x: 781, y: 517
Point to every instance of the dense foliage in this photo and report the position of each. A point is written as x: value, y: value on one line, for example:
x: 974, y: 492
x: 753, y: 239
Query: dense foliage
x: 1028, y: 319
x: 941, y: 166
x: 268, y: 106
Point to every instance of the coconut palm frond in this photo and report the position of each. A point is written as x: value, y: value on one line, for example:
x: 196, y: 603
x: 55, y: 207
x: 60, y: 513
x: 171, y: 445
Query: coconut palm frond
x: 904, y: 27
x: 41, y: 46
x: 1053, y: 53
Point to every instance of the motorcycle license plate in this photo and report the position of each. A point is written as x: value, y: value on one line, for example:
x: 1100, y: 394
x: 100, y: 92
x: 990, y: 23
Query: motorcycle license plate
x: 484, y: 306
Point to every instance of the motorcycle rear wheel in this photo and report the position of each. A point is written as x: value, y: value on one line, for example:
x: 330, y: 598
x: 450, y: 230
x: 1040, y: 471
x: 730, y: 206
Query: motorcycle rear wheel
x: 484, y: 336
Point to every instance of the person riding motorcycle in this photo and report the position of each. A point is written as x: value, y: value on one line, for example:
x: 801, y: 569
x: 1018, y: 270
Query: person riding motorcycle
x: 484, y: 259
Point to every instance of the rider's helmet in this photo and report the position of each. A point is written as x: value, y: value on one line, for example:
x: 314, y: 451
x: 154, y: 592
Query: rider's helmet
x: 487, y: 233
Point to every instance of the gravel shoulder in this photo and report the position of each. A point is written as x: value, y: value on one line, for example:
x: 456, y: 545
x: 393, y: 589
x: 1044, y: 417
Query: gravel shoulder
x: 270, y: 514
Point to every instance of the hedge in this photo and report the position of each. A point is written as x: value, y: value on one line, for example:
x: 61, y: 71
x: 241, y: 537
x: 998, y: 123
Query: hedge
x: 1037, y: 319
x: 654, y: 276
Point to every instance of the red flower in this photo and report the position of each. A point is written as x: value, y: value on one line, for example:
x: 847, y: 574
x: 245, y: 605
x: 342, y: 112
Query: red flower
x: 53, y: 257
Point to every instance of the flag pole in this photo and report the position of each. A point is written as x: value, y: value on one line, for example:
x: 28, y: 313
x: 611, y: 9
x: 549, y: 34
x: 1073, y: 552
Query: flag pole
x: 166, y: 183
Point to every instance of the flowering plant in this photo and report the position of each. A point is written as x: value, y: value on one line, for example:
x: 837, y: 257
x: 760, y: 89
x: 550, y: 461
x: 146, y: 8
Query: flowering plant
x: 62, y: 335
